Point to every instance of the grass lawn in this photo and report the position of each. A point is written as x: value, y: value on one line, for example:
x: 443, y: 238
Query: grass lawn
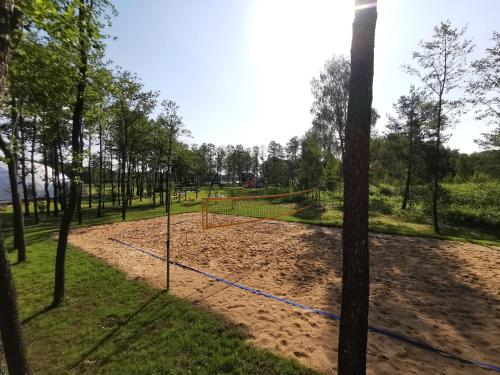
x: 109, y: 324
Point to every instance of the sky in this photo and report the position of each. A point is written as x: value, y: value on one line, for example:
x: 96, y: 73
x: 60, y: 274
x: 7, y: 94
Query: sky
x: 240, y: 70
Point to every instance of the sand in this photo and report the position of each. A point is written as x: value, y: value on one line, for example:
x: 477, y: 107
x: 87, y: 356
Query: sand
x: 442, y: 292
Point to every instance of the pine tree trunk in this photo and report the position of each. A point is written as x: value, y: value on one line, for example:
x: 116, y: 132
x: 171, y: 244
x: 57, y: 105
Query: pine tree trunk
x: 46, y: 178
x: 19, y: 236
x: 118, y: 180
x: 33, y: 185
x: 55, y: 181
x: 80, y: 190
x: 129, y: 186
x: 406, y: 196
x: 123, y: 188
x: 64, y: 198
x: 154, y: 188
x: 141, y: 189
x: 355, y: 269
x: 104, y: 183
x: 10, y: 326
x: 435, y: 185
x: 10, y: 155
x: 112, y: 181
x: 99, y: 204
x: 161, y: 186
x: 26, y: 198
x: 76, y: 166
x: 90, y: 170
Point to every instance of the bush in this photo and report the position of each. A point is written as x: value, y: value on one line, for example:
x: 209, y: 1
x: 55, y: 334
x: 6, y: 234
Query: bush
x: 475, y: 203
x: 385, y: 190
x: 381, y: 204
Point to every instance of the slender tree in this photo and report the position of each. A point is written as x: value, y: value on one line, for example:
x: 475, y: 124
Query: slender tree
x: 88, y: 24
x: 171, y: 122
x: 442, y: 63
x: 411, y: 115
x: 355, y: 268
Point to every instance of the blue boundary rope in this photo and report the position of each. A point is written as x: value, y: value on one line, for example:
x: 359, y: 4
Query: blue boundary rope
x: 327, y: 314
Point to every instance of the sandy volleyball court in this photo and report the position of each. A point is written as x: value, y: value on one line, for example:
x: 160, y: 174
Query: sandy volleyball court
x: 441, y: 292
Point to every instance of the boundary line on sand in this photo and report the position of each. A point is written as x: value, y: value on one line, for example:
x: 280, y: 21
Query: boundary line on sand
x: 327, y: 314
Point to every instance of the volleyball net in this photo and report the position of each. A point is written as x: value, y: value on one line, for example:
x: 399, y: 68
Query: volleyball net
x: 219, y: 212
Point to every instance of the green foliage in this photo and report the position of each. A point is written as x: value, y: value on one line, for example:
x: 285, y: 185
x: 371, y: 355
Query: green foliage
x: 483, y: 90
x: 475, y: 204
x: 311, y: 161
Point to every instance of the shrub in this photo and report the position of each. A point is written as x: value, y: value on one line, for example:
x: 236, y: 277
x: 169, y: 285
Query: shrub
x: 381, y: 205
x: 386, y: 191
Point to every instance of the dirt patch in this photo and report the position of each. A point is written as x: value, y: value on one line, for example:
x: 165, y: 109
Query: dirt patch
x: 441, y: 292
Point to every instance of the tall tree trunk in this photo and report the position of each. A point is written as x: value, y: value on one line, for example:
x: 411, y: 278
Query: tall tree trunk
x: 160, y: 177
x: 141, y: 186
x: 123, y: 187
x: 33, y: 180
x: 99, y: 204
x: 104, y: 183
x: 118, y: 180
x: 80, y: 190
x: 112, y: 181
x: 355, y: 268
x: 154, y: 187
x: 129, y: 186
x: 10, y: 155
x: 435, y: 185
x: 46, y: 178
x: 406, y: 196
x: 64, y: 187
x: 76, y: 165
x: 10, y: 327
x: 22, y: 131
x: 90, y: 170
x: 55, y: 181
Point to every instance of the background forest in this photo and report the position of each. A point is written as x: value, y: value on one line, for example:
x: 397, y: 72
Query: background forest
x: 129, y: 141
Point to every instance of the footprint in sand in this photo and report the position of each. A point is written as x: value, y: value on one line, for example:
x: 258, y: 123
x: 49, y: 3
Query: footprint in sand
x: 300, y: 354
x: 235, y: 306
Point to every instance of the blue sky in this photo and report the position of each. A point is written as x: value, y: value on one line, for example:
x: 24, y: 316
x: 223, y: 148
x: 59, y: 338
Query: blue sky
x: 241, y: 69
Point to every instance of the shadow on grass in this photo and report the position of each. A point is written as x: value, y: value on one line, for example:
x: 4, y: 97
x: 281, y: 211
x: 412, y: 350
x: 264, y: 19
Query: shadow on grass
x: 115, y: 330
x: 37, y: 314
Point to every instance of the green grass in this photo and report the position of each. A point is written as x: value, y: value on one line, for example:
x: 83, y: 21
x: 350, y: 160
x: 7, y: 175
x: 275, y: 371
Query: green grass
x: 109, y: 324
